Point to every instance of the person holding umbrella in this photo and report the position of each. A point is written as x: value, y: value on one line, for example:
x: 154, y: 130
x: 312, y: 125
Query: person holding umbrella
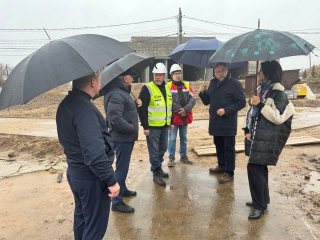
x: 122, y: 118
x: 268, y: 126
x: 226, y: 97
x: 156, y: 117
x: 89, y: 150
x: 183, y: 103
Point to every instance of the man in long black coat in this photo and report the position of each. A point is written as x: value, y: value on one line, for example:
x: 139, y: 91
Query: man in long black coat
x: 226, y: 97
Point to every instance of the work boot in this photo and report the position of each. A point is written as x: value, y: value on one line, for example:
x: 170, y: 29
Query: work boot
x: 225, y: 178
x: 122, y: 207
x: 157, y: 178
x: 163, y: 173
x: 217, y: 169
x: 171, y: 162
x: 128, y: 193
x: 186, y: 160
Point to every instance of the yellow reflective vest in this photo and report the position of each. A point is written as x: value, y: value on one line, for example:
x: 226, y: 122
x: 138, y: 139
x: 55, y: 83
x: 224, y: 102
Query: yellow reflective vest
x: 159, y: 110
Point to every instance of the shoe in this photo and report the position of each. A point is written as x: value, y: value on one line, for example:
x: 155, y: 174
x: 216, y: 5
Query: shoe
x: 129, y: 193
x: 186, y: 160
x: 171, y: 162
x: 256, y: 214
x: 122, y: 207
x: 217, y: 169
x: 225, y: 178
x: 250, y: 204
x: 158, y: 179
x: 163, y: 173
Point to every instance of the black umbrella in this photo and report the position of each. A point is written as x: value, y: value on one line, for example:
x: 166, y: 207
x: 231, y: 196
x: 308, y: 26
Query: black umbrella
x: 261, y: 45
x: 137, y: 62
x: 58, y: 62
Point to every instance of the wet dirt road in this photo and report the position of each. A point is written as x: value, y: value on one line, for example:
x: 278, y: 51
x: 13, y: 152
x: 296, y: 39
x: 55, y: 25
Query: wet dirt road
x: 42, y: 127
x: 194, y: 205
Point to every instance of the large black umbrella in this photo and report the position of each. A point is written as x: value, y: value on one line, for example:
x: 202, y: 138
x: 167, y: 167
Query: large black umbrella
x: 58, y: 62
x: 261, y: 45
x: 137, y: 62
x: 197, y: 52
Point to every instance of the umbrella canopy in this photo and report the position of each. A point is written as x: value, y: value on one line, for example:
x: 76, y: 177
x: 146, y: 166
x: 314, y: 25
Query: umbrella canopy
x: 137, y: 62
x: 57, y: 63
x: 261, y: 45
x: 196, y: 52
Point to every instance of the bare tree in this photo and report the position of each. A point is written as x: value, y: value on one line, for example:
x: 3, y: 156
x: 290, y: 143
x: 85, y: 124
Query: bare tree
x: 4, y: 72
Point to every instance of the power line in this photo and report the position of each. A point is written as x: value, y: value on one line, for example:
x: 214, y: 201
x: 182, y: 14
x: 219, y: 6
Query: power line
x: 81, y: 28
x: 216, y: 23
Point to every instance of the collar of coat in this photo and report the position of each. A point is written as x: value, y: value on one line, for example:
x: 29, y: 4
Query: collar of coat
x: 278, y: 86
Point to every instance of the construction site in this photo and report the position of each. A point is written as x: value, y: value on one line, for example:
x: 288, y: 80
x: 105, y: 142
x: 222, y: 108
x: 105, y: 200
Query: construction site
x: 38, y: 203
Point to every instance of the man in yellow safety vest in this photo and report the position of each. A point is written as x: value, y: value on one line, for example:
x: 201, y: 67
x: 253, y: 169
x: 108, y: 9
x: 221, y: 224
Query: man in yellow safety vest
x: 156, y: 118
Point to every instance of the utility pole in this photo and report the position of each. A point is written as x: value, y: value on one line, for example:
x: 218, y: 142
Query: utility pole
x: 180, y: 36
x: 180, y: 27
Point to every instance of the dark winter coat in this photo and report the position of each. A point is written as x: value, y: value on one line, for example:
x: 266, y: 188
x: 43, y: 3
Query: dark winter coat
x: 121, y: 109
x: 228, y: 95
x: 271, y: 128
x: 182, y: 98
x: 82, y: 132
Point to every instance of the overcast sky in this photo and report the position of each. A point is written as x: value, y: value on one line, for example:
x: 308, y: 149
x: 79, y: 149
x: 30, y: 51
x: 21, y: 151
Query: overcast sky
x: 284, y: 15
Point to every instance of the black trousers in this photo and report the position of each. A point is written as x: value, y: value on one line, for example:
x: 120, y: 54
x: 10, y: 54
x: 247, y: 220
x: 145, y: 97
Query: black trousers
x: 92, y: 206
x: 226, y: 153
x: 259, y: 188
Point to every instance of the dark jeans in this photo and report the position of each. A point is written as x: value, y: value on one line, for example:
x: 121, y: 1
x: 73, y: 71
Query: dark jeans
x: 157, y: 142
x: 259, y: 188
x: 123, y: 154
x: 92, y: 207
x: 226, y: 153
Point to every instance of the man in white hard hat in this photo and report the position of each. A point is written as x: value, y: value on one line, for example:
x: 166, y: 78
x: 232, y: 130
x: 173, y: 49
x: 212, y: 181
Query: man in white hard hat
x: 156, y: 118
x: 183, y: 103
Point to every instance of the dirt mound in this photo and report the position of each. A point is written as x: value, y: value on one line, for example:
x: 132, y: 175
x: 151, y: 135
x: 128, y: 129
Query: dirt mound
x: 39, y: 147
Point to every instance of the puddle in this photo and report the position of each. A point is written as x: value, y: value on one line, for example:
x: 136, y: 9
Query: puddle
x: 313, y: 184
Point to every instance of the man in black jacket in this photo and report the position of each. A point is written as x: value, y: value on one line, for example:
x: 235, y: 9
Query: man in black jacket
x: 89, y: 150
x: 156, y: 118
x: 122, y: 115
x: 226, y: 97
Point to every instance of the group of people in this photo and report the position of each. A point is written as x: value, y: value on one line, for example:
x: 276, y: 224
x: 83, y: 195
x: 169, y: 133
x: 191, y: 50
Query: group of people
x: 90, y: 141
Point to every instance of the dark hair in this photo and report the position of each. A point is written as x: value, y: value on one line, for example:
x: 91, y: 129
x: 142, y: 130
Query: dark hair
x: 220, y: 64
x: 272, y: 70
x: 81, y: 83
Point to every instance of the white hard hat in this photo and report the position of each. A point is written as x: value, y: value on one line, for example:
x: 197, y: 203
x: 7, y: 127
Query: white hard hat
x: 159, y: 68
x: 175, y: 67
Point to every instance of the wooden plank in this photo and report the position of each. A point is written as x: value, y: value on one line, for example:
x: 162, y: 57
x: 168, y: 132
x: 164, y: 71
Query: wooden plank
x: 293, y: 141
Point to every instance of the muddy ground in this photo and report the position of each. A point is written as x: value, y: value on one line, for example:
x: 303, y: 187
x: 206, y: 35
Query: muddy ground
x: 35, y: 206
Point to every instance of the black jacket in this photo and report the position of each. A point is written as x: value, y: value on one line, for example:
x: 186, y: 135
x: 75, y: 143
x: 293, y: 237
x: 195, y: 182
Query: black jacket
x: 144, y: 96
x: 122, y: 111
x: 228, y: 95
x: 83, y: 134
x: 271, y: 128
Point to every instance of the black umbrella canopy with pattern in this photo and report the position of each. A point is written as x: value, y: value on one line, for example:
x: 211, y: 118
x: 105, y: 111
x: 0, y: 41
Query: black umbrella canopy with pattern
x: 261, y: 45
x: 58, y: 62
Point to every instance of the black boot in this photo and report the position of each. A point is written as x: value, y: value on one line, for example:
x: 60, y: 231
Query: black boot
x: 163, y: 173
x: 122, y: 207
x: 129, y: 193
x: 256, y: 214
x: 250, y: 204
x: 157, y: 178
